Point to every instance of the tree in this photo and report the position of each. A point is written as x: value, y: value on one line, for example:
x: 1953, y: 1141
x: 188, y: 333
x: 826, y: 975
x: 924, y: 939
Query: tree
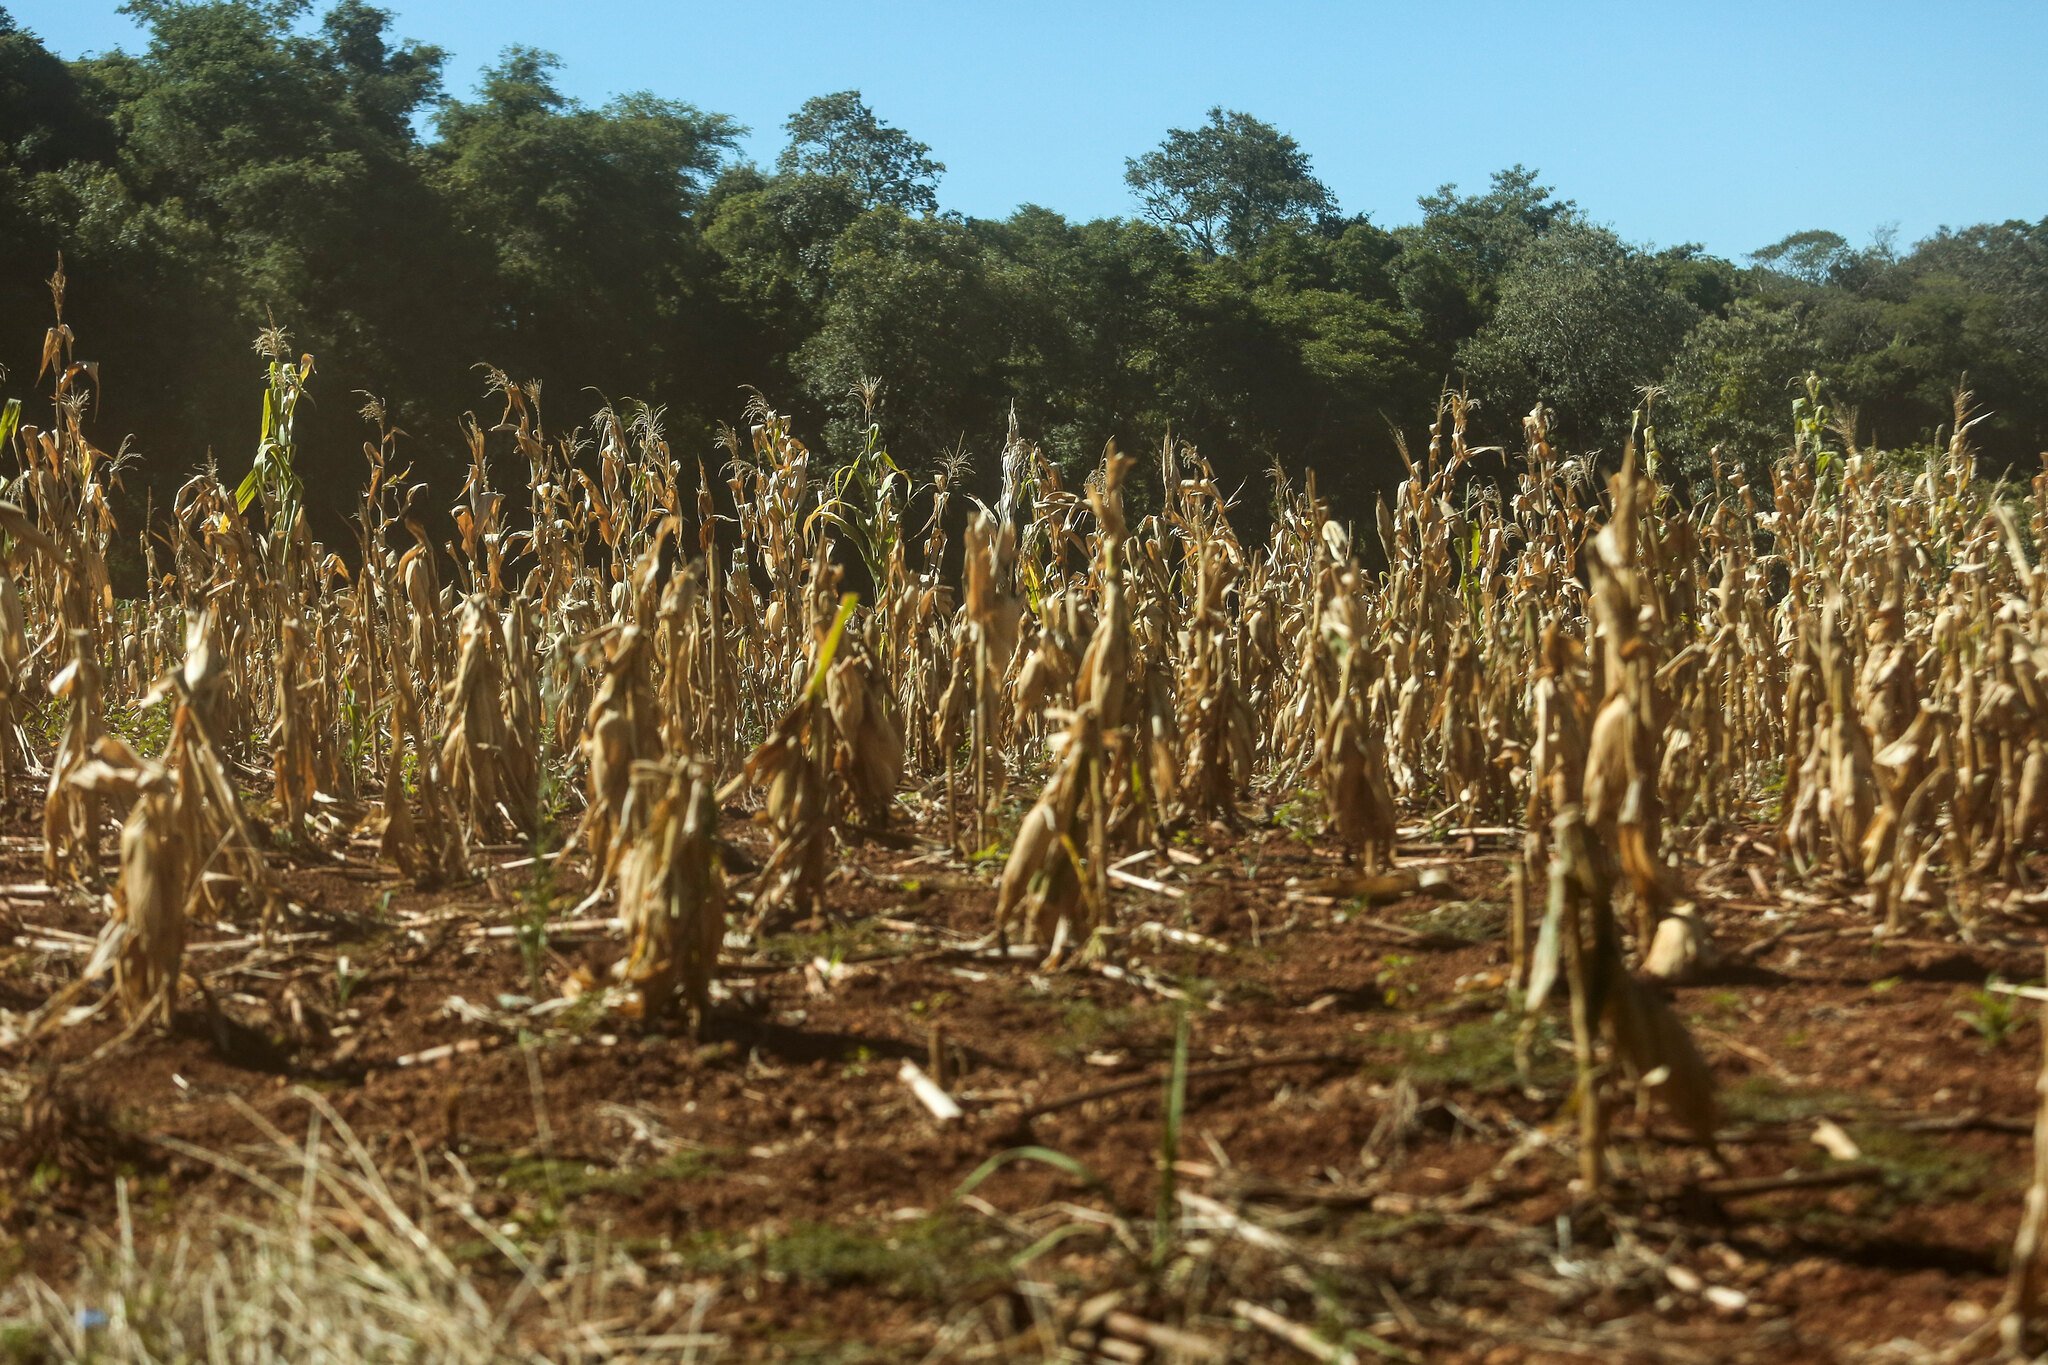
x: 1451, y: 264
x: 49, y: 130
x: 46, y: 116
x: 1224, y: 186
x: 254, y: 159
x: 1731, y: 386
x: 1584, y: 321
x: 910, y: 305
x: 581, y: 221
x: 1815, y: 256
x: 839, y: 137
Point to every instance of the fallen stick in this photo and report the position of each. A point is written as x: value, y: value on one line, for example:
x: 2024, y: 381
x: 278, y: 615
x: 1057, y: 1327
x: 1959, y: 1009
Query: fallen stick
x: 222, y: 945
x: 1965, y: 1122
x: 555, y: 929
x: 1145, y: 981
x: 1169, y: 1341
x: 1770, y: 941
x: 520, y: 864
x: 1110, y: 1348
x: 428, y: 1056
x: 1291, y: 1332
x: 942, y: 1106
x: 52, y: 945
x: 1185, y: 937
x: 1421, y: 938
x: 1146, y: 884
x: 48, y: 931
x: 1194, y: 1073
x: 1742, y: 1187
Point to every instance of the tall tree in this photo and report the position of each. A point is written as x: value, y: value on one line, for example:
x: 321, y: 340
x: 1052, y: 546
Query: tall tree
x: 580, y: 222
x: 1584, y: 322
x: 837, y: 136
x: 1815, y: 256
x: 1451, y: 264
x: 1224, y: 186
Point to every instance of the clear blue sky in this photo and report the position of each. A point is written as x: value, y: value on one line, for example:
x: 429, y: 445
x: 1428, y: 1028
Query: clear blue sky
x: 1731, y: 124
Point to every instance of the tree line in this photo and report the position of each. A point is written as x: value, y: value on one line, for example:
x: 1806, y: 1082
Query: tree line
x: 260, y: 163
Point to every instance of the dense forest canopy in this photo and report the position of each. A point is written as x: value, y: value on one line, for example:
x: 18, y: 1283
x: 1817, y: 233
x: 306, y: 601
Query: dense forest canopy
x: 262, y: 162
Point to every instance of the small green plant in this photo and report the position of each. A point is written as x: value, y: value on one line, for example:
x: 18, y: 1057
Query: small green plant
x: 273, y: 478
x: 1394, y: 987
x: 1253, y: 857
x: 537, y: 903
x: 346, y: 978
x: 1995, y: 1014
x: 1169, y: 1141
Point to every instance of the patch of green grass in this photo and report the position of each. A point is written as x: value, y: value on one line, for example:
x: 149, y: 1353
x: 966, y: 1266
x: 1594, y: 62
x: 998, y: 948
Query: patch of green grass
x: 1396, y: 991
x: 936, y: 1259
x: 21, y: 1345
x: 45, y: 722
x: 1762, y: 1100
x: 1475, y: 921
x: 147, y: 729
x: 1771, y: 789
x: 554, y: 1178
x: 1993, y: 1015
x: 1479, y: 1054
x: 834, y: 943
x: 1919, y: 1166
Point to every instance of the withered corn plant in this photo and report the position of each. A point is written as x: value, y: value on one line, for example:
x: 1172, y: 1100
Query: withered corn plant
x: 1853, y: 654
x: 1056, y: 876
x: 793, y: 768
x: 671, y: 892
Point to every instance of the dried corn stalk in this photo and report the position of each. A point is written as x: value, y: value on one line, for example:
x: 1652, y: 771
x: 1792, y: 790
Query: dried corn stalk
x: 867, y: 746
x: 791, y: 765
x: 1582, y: 942
x: 489, y: 730
x: 671, y: 892
x: 1056, y: 875
x: 1350, y: 755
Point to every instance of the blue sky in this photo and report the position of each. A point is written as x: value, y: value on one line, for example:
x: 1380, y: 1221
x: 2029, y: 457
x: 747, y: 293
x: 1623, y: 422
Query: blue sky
x: 1731, y: 124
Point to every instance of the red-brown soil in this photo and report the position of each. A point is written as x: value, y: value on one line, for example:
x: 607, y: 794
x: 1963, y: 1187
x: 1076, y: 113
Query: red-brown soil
x: 1398, y: 1182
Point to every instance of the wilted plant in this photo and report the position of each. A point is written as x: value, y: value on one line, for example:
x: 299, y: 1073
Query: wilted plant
x: 792, y: 767
x: 1055, y: 877
x: 672, y: 892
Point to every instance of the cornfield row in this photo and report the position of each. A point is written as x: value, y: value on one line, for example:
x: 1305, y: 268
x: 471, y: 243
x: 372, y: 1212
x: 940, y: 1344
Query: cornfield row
x: 1857, y: 655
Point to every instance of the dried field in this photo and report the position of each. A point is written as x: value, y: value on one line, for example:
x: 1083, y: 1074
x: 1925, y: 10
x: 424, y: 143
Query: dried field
x: 662, y: 913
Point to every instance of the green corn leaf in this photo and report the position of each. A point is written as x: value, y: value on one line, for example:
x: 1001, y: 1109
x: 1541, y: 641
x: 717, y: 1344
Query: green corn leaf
x: 1045, y: 1156
x: 831, y: 645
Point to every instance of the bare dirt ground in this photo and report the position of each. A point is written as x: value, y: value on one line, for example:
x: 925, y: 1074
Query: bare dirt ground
x: 1362, y: 1166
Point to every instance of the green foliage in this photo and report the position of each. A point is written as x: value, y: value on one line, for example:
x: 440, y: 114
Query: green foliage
x: 838, y: 137
x: 227, y: 173
x: 1815, y: 256
x: 1451, y: 264
x: 1583, y: 324
x: 1169, y: 1142
x: 1993, y: 1014
x: 1224, y: 186
x: 1732, y: 384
